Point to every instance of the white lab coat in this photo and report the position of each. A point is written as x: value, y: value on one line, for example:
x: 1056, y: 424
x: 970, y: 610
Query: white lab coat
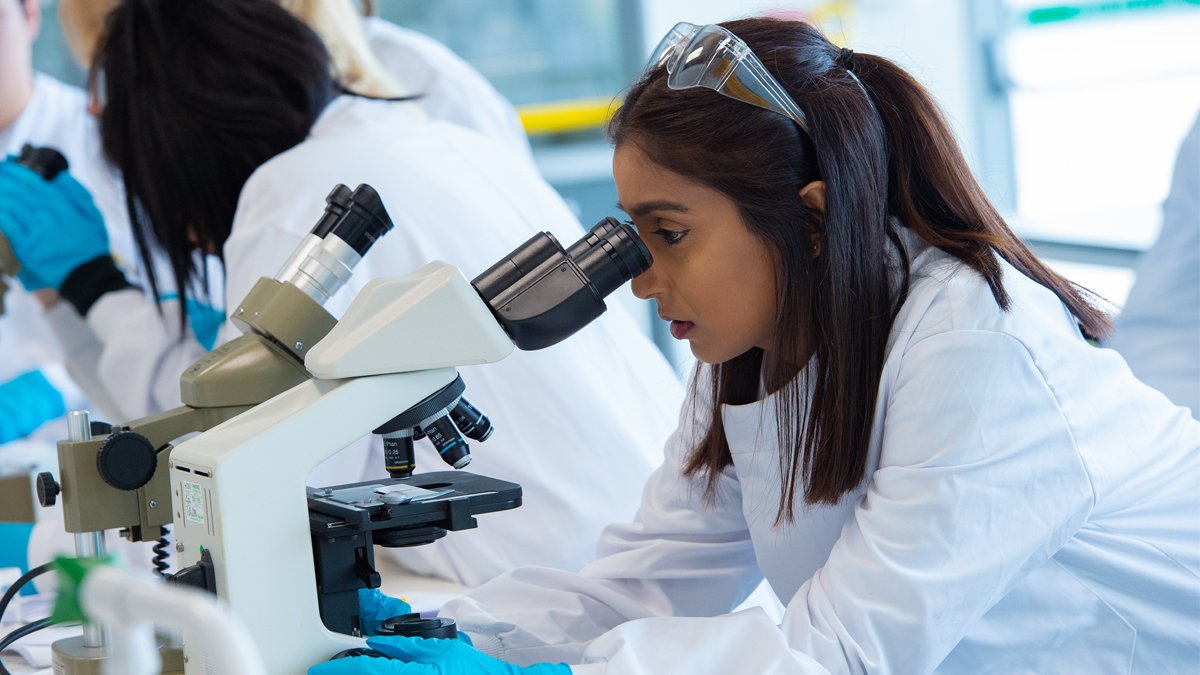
x: 1030, y: 508
x: 56, y: 116
x: 1158, y: 332
x: 449, y: 88
x: 578, y: 425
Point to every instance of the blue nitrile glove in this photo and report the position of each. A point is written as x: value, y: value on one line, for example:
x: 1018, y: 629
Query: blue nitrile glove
x: 374, y: 606
x: 26, y: 402
x: 204, y: 319
x: 429, y: 656
x: 52, y: 226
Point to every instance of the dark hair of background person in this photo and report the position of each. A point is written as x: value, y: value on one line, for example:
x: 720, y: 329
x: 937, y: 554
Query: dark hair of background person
x: 197, y: 95
x: 891, y: 154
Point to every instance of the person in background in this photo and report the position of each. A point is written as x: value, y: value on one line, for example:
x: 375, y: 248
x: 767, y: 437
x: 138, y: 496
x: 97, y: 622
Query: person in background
x: 899, y: 421
x: 36, y: 388
x: 1158, y: 332
x: 578, y: 425
x: 370, y: 56
x: 39, y: 110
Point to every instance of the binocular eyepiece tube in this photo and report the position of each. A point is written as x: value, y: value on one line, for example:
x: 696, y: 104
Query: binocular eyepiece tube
x: 541, y: 294
x: 325, y: 260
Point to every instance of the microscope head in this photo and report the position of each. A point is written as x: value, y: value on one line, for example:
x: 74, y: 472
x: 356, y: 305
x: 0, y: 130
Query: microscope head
x: 536, y: 296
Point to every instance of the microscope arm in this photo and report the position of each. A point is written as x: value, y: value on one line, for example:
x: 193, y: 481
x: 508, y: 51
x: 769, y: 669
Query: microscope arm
x: 112, y: 482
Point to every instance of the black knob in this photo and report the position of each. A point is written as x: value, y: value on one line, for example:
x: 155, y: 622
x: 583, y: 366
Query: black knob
x: 47, y: 488
x: 47, y: 162
x: 126, y: 460
x: 101, y: 428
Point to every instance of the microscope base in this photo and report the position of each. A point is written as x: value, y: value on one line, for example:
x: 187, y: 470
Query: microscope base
x: 69, y: 657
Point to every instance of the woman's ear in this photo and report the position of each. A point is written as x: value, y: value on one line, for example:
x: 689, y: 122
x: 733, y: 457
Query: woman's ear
x: 813, y: 195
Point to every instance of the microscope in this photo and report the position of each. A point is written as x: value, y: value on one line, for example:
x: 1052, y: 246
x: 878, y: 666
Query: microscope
x: 387, y: 367
x: 114, y: 477
x: 296, y: 388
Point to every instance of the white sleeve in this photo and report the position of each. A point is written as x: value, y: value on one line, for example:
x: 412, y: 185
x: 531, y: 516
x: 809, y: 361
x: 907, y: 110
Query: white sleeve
x: 143, y: 351
x: 680, y: 557
x: 126, y: 356
x: 979, y: 482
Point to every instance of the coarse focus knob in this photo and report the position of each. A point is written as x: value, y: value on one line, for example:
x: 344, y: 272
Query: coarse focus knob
x: 47, y: 488
x: 126, y: 460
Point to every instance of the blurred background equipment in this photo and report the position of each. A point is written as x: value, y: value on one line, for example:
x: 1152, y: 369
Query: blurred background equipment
x: 1070, y: 112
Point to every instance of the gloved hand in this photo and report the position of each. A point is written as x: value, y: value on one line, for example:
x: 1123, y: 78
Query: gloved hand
x: 374, y: 606
x: 427, y: 656
x: 52, y: 226
x: 26, y: 402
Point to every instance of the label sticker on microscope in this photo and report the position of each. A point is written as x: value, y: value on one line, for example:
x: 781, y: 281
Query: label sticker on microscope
x: 193, y: 503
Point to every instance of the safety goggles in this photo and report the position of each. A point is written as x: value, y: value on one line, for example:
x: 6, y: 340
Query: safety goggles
x: 713, y: 58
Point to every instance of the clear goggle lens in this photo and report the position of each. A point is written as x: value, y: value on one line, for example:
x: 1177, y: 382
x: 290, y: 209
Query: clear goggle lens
x: 711, y: 57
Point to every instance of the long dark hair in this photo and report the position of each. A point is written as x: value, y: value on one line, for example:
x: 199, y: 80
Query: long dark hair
x: 885, y: 153
x: 197, y: 95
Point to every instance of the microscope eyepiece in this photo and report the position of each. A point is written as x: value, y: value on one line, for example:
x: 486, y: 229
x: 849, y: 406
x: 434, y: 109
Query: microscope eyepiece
x: 324, y: 261
x: 541, y: 293
x: 365, y: 221
x: 336, y: 205
x: 617, y: 255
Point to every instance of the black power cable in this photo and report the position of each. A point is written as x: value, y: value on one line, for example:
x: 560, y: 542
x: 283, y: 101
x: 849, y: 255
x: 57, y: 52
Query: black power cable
x: 4, y: 602
x: 16, y: 587
x: 17, y: 635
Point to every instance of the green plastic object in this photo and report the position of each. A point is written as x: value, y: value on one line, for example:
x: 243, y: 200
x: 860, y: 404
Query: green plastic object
x: 71, y: 571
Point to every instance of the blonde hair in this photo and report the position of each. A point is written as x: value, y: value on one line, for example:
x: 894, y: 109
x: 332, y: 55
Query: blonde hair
x: 340, y: 26
x: 337, y: 22
x: 83, y: 24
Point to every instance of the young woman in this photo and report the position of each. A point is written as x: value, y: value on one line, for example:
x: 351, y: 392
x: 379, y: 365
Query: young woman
x: 899, y: 423
x: 224, y: 121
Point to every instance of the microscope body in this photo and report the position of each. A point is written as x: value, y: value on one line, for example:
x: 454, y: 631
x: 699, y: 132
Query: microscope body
x: 240, y: 503
x: 296, y: 388
x: 114, y: 481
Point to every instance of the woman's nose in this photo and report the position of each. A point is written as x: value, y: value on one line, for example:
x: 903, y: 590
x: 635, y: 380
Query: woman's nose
x: 645, y: 285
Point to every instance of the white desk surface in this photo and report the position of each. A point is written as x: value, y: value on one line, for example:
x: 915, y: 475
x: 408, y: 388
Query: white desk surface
x: 423, y: 593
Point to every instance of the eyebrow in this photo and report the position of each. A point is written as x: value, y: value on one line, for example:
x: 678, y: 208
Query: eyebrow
x: 654, y: 205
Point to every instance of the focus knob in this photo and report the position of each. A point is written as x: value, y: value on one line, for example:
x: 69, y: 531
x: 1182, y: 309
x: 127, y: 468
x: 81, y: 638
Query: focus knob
x: 47, y: 488
x: 126, y: 460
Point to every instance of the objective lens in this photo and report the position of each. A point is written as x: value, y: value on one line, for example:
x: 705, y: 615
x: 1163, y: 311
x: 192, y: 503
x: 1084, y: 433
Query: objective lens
x: 398, y: 456
x: 471, y: 421
x: 448, y: 442
x: 617, y: 256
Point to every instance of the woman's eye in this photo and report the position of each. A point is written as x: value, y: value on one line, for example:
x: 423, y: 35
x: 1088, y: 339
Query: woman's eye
x: 670, y: 237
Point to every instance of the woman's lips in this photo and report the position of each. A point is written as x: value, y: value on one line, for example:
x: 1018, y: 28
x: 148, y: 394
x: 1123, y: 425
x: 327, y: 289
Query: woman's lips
x: 680, y: 329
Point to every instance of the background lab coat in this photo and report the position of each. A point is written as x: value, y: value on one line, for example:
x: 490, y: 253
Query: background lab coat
x: 579, y: 425
x: 1158, y: 333
x: 449, y: 88
x: 1030, y: 508
x: 56, y: 116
